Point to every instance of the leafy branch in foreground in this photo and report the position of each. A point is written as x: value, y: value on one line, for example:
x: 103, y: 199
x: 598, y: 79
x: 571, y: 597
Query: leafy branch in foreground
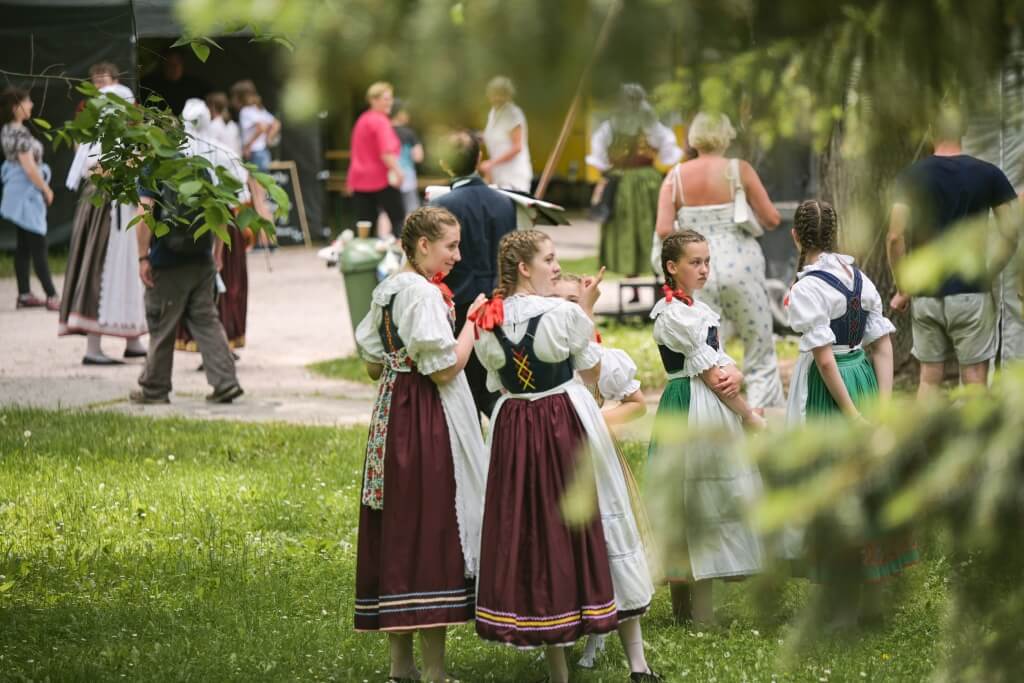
x: 147, y: 146
x: 943, y: 468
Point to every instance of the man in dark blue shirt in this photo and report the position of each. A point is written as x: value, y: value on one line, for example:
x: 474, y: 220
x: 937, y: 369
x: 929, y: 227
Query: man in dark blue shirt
x: 486, y: 216
x: 179, y: 275
x: 934, y: 195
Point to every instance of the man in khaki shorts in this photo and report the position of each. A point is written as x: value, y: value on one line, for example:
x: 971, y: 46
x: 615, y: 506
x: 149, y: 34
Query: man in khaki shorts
x: 934, y: 195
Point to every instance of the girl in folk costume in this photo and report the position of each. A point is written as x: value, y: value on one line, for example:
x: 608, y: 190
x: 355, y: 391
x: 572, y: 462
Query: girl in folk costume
x: 103, y: 295
x: 838, y: 313
x: 542, y: 583
x: 704, y: 388
x: 423, y: 482
x: 617, y: 383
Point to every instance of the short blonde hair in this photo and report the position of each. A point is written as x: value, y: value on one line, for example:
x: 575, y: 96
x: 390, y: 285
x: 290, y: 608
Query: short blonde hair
x: 710, y: 132
x: 377, y: 90
x: 501, y: 85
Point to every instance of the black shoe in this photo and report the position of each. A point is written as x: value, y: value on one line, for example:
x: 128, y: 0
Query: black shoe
x: 226, y: 395
x: 641, y: 677
x: 140, y: 398
x: 100, y: 360
x: 129, y: 353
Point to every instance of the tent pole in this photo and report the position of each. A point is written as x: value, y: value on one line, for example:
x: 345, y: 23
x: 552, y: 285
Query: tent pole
x: 570, y: 116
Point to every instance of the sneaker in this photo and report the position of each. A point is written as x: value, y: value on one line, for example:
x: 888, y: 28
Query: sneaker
x: 641, y: 677
x: 226, y: 395
x: 30, y: 300
x: 53, y: 303
x: 140, y: 398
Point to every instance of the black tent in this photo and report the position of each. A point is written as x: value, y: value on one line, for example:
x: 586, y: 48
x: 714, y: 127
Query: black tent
x: 42, y: 40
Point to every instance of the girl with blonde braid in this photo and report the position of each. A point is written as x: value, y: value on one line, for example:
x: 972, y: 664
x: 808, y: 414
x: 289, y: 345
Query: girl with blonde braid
x: 419, y: 521
x: 837, y: 311
x: 704, y: 388
x: 543, y: 583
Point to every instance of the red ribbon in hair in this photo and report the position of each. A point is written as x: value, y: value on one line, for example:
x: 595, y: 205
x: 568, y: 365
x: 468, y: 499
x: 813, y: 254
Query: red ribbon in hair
x: 490, y: 315
x: 676, y: 294
x: 446, y: 292
x: 597, y: 336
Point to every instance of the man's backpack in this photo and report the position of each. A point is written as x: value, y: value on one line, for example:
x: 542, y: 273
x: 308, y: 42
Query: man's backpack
x: 183, y: 222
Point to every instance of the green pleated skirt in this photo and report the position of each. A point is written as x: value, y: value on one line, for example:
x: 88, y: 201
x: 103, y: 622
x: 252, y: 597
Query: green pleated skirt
x: 887, y: 554
x: 675, y: 400
x: 626, y: 236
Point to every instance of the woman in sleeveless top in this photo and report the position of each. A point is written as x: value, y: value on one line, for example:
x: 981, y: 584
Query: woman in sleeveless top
x: 736, y: 286
x: 718, y: 484
x: 419, y: 521
x: 624, y: 149
x: 542, y: 582
x: 837, y: 311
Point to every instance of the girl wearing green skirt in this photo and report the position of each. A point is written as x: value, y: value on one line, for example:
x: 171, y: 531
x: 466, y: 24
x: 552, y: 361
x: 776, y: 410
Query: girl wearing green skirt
x: 845, y: 355
x: 703, y: 392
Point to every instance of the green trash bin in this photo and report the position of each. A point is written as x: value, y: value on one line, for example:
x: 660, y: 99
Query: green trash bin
x: 358, y: 265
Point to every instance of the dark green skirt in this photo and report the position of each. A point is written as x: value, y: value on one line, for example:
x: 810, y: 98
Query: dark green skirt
x: 675, y: 400
x: 890, y: 553
x: 627, y: 235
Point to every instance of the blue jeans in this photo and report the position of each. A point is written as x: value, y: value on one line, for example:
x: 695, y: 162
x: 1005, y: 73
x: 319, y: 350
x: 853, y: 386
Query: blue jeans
x: 261, y: 158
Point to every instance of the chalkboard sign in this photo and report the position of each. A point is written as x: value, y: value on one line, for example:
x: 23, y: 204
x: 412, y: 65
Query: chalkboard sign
x: 293, y: 228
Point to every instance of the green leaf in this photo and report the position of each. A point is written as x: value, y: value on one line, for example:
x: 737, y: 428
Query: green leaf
x: 42, y: 123
x: 6, y: 586
x: 202, y: 50
x: 246, y: 217
x: 183, y: 40
x: 88, y: 89
x: 187, y: 189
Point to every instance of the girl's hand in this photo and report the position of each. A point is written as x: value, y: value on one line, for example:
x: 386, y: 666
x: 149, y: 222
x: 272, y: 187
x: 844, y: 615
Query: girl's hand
x: 754, y: 422
x: 479, y: 301
x: 729, y: 384
x: 591, y: 291
x: 48, y: 195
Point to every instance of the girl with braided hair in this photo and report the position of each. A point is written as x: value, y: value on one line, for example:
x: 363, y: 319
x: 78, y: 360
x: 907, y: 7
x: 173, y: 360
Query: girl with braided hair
x: 542, y: 582
x: 419, y: 521
x: 837, y: 311
x: 703, y: 388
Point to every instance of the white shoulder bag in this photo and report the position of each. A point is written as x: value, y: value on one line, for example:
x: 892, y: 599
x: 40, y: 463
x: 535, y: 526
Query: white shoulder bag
x: 742, y: 215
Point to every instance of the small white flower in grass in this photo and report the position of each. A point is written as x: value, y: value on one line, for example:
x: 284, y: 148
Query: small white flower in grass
x: 170, y: 457
x: 755, y: 632
x: 863, y: 674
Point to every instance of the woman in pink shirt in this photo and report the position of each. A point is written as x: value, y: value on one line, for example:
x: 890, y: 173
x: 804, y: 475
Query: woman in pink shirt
x: 374, y: 175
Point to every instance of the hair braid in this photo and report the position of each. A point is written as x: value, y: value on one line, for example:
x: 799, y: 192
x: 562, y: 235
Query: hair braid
x: 815, y: 223
x: 428, y: 222
x: 519, y: 246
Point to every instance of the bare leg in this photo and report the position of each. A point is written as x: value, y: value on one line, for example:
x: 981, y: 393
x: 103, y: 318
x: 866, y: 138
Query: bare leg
x: 432, y: 642
x: 974, y: 374
x: 402, y: 663
x: 931, y: 378
x: 703, y: 602
x: 558, y: 669
x: 633, y: 644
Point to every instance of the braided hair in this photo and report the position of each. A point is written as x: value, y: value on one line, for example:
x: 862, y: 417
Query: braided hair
x: 815, y: 224
x: 426, y: 221
x: 518, y: 246
x: 674, y: 248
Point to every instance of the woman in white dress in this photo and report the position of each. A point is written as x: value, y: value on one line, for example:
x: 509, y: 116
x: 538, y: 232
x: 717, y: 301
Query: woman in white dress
x: 703, y: 390
x: 508, y: 162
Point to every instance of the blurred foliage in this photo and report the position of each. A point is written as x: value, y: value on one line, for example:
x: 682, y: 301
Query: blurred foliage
x: 135, y: 138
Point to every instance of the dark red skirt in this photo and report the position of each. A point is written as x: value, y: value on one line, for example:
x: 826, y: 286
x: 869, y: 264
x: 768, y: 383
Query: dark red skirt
x: 541, y: 582
x: 233, y: 304
x: 410, y: 572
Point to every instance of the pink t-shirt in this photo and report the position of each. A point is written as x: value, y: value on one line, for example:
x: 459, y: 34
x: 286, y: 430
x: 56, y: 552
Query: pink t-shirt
x: 371, y: 136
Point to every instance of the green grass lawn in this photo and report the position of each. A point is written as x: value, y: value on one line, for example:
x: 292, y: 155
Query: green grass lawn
x: 58, y: 258
x: 169, y: 550
x: 350, y: 368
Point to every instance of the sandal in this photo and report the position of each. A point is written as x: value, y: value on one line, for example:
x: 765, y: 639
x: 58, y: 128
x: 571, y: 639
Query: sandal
x: 644, y: 677
x: 30, y: 300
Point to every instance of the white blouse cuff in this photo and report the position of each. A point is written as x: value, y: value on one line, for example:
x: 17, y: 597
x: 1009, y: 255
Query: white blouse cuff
x: 587, y: 358
x: 817, y: 337
x: 429, y: 363
x: 877, y: 327
x: 369, y: 357
x: 703, y: 359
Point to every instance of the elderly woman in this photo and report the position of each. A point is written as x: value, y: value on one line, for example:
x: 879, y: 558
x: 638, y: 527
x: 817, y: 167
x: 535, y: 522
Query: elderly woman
x: 624, y: 149
x: 508, y: 165
x: 702, y: 195
x: 374, y: 172
x: 27, y: 193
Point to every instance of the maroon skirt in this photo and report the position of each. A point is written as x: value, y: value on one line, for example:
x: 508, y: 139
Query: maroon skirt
x: 233, y: 304
x: 410, y: 571
x: 541, y: 582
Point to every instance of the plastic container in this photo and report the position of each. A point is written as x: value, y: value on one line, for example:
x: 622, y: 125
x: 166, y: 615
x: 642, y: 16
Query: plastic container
x: 358, y: 265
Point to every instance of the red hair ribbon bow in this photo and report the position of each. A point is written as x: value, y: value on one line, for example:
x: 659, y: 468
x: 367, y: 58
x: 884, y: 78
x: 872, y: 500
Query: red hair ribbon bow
x: 490, y: 315
x: 446, y: 292
x: 676, y: 294
x: 597, y: 336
